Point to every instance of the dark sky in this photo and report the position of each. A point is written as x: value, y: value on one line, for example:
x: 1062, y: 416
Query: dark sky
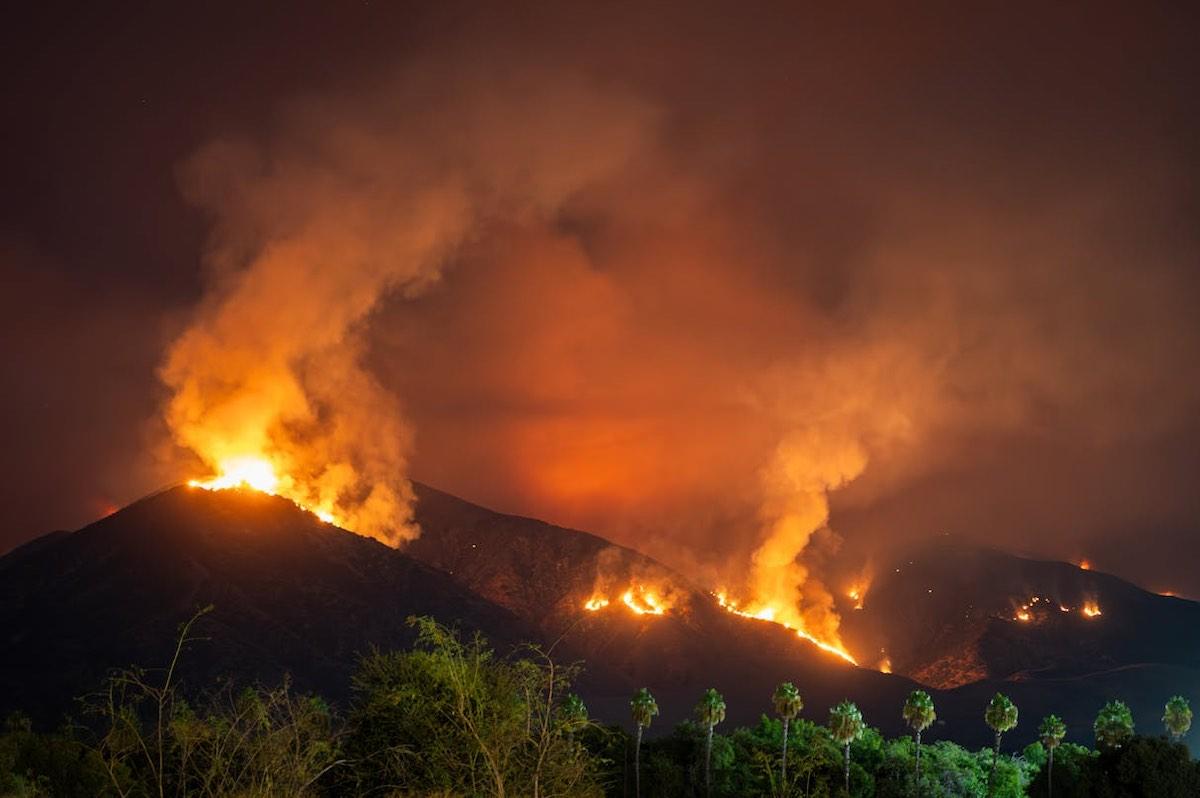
x: 650, y: 270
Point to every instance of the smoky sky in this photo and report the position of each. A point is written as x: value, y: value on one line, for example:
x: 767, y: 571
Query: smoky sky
x: 949, y: 253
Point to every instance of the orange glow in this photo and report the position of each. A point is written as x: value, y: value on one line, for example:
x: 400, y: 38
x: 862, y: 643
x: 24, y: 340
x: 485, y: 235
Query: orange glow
x: 885, y: 665
x: 1091, y: 609
x: 639, y: 599
x: 257, y: 473
x: 769, y: 614
x: 858, y: 593
x: 1085, y: 565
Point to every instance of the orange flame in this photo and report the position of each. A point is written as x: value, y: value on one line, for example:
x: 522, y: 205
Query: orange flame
x: 257, y: 473
x: 1085, y: 565
x: 1091, y: 609
x: 769, y: 614
x: 639, y: 599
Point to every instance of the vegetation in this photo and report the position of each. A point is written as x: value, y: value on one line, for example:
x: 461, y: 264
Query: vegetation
x: 450, y: 718
x: 1051, y: 734
x: 1177, y: 717
x: 710, y: 711
x: 1113, y: 726
x: 1000, y: 716
x: 788, y: 704
x: 643, y: 709
x: 846, y: 725
x: 919, y: 715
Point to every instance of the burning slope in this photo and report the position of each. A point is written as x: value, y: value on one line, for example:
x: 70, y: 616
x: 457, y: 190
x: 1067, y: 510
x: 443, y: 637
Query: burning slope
x: 952, y: 615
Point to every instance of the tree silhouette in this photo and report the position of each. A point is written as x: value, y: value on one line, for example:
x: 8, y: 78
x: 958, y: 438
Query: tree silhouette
x: 1113, y: 726
x: 846, y: 726
x: 788, y: 704
x: 1051, y: 732
x: 919, y: 715
x: 710, y: 711
x: 644, y: 708
x: 1001, y: 716
x: 1177, y: 717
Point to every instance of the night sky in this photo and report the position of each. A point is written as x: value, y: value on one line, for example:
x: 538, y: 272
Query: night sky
x: 643, y: 271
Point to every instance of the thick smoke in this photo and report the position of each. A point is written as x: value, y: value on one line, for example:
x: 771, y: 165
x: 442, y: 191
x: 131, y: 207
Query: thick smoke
x: 352, y: 201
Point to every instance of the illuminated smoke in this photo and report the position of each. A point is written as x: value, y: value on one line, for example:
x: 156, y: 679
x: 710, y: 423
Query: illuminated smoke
x: 807, y: 465
x: 359, y: 201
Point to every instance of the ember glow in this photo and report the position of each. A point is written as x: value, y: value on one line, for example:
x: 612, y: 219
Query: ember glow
x: 256, y: 473
x: 1091, y: 609
x: 639, y: 599
x: 772, y: 615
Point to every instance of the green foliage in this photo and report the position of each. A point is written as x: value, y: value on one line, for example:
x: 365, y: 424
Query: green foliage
x: 845, y: 723
x: 1177, y: 717
x: 1052, y: 731
x: 643, y: 707
x: 918, y: 711
x: 1113, y: 726
x: 1001, y: 714
x: 711, y: 709
x: 787, y: 701
x: 451, y: 718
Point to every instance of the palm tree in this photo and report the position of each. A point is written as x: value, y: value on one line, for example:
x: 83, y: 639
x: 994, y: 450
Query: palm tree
x: 1113, y: 726
x: 1177, y: 717
x: 846, y: 726
x: 644, y: 708
x: 919, y: 714
x: 1052, y: 731
x: 573, y: 714
x: 710, y: 711
x: 788, y: 704
x: 1001, y: 716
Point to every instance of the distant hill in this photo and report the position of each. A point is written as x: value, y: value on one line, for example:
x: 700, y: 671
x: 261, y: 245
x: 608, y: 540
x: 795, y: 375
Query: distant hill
x: 291, y: 594
x: 950, y: 615
x: 294, y: 595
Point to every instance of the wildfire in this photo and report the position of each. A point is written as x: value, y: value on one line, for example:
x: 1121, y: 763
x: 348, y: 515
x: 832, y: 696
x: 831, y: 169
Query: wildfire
x: 257, y: 473
x: 1023, y: 615
x: 1084, y: 565
x: 769, y: 614
x: 858, y: 594
x: 1091, y: 609
x: 639, y: 599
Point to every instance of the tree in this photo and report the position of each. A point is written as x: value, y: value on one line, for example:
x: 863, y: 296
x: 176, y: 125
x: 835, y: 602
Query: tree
x: 573, y: 714
x: 846, y: 726
x: 644, y: 708
x: 710, y: 711
x: 788, y: 704
x: 919, y: 715
x: 1001, y: 716
x: 1177, y: 717
x: 1113, y: 726
x: 451, y: 718
x: 1051, y: 733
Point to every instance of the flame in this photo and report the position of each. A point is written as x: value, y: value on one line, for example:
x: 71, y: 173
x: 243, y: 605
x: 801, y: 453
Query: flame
x: 769, y: 614
x: 857, y: 592
x: 885, y: 665
x: 1084, y: 565
x: 1091, y: 609
x: 640, y: 599
x: 257, y: 473
x: 1023, y: 615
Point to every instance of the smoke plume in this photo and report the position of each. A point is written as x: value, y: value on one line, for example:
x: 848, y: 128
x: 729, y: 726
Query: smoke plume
x: 336, y: 212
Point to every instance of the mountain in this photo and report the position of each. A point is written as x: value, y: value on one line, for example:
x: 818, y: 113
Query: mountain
x: 294, y: 595
x: 291, y: 594
x: 544, y: 574
x: 971, y: 621
x: 949, y: 615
